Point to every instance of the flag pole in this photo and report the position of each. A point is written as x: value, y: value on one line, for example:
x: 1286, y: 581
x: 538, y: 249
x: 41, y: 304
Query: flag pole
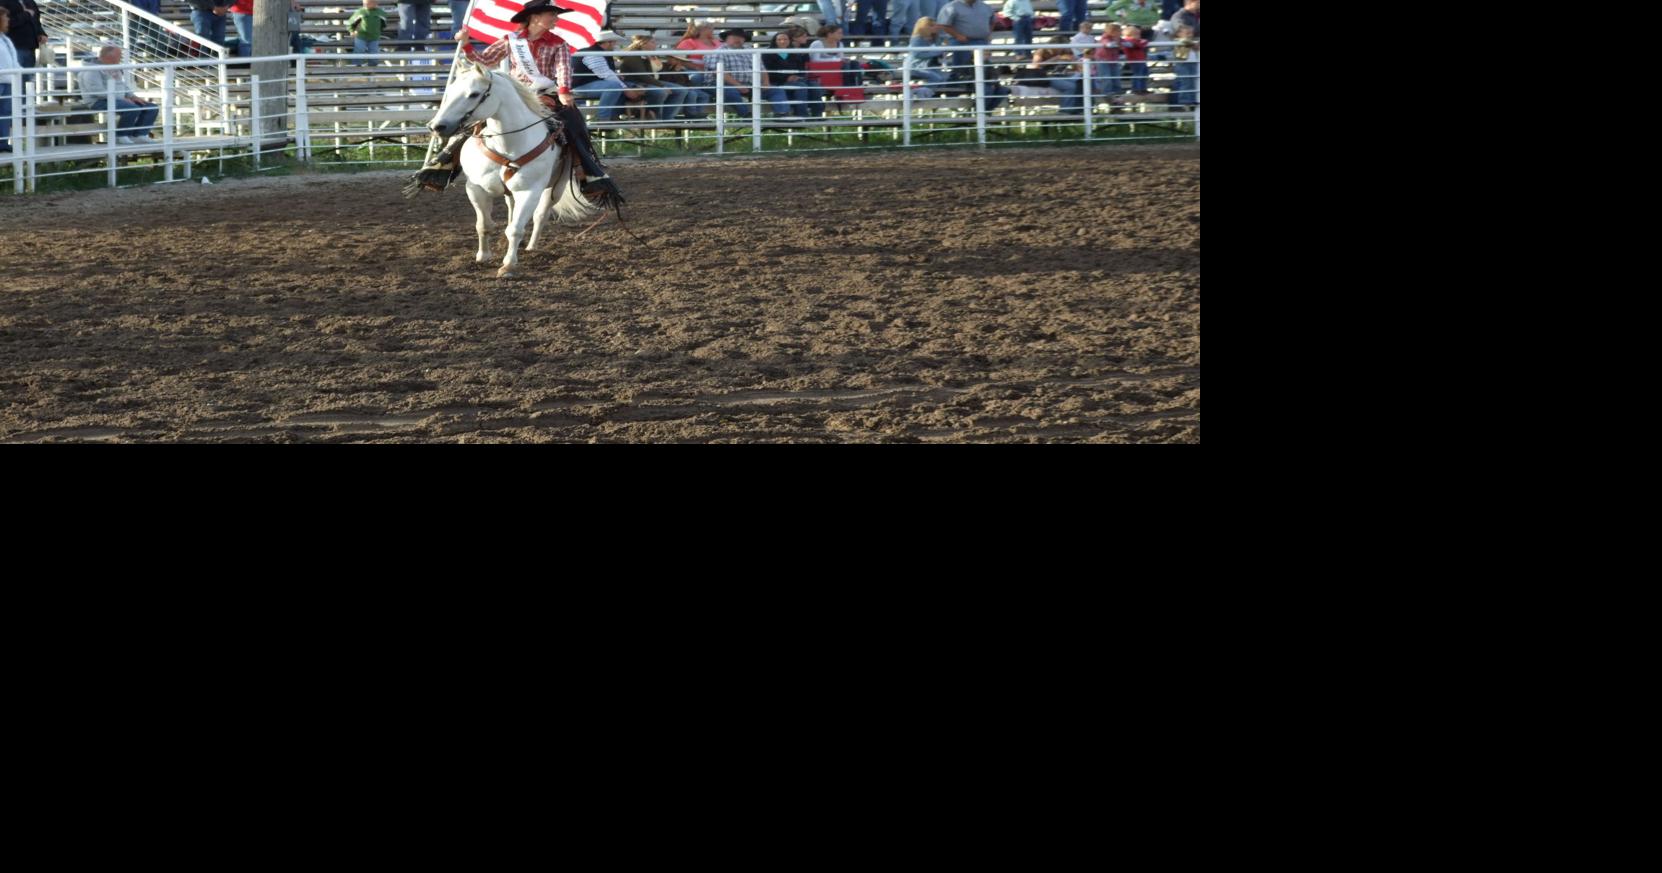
x: 435, y: 141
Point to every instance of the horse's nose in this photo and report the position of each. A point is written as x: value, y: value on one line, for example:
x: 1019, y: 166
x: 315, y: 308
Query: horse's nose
x: 438, y: 127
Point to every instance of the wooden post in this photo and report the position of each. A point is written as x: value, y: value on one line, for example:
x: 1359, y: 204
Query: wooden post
x: 271, y: 39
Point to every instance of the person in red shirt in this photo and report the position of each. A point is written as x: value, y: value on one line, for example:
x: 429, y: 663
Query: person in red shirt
x: 242, y: 15
x: 1106, y: 75
x: 1136, y: 57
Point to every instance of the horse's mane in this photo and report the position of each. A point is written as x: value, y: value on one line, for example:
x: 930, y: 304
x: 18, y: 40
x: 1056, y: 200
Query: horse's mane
x: 526, y: 95
x: 529, y: 97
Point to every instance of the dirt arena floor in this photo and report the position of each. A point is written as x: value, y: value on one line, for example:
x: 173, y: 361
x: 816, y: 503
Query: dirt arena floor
x: 944, y: 296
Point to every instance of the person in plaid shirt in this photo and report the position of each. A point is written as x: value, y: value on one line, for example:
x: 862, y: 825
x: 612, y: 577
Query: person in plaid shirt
x: 553, y: 73
x: 738, y: 75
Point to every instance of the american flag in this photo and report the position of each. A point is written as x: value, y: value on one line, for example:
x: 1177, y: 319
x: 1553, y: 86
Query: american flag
x: 579, y: 23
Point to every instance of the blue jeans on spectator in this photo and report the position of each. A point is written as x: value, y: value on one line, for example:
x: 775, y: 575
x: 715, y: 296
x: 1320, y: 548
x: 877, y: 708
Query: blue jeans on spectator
x: 675, y: 101
x: 698, y: 103
x: 1071, y: 88
x: 1188, y: 83
x: 609, y: 95
x: 458, y: 8
x: 870, y: 17
x: 245, y: 34
x: 5, y: 116
x: 831, y: 11
x: 1139, y: 77
x: 1073, y: 12
x: 903, y: 16
x: 415, y: 21
x: 132, y: 119
x: 775, y: 99
x: 966, y: 60
x: 932, y: 75
x: 366, y: 47
x: 796, y: 96
x: 209, y: 26
x: 733, y: 101
x: 1105, y: 77
x: 666, y: 100
x: 1024, y: 33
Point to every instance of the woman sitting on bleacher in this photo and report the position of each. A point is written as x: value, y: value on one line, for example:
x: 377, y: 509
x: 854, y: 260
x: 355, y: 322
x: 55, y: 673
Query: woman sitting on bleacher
x: 787, y: 86
x: 1057, y: 70
x: 699, y: 38
x: 926, y: 34
x: 645, y: 73
x: 834, y: 72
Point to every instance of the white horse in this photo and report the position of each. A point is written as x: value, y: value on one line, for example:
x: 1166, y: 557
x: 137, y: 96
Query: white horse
x: 514, y: 157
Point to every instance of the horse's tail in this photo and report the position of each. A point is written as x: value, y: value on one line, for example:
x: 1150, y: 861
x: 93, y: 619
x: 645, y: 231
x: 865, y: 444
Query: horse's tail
x: 570, y: 207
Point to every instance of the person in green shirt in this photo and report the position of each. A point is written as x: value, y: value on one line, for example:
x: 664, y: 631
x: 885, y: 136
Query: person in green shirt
x: 1142, y: 13
x: 367, y: 25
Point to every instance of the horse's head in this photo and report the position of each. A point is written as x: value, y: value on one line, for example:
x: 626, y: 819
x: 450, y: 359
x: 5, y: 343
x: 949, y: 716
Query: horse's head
x: 471, y: 96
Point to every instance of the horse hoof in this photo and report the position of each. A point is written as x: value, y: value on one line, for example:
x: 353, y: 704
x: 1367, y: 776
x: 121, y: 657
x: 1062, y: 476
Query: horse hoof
x: 482, y: 257
x: 506, y: 271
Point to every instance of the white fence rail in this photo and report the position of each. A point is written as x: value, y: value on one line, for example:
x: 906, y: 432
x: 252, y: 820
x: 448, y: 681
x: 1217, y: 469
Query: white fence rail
x: 373, y: 109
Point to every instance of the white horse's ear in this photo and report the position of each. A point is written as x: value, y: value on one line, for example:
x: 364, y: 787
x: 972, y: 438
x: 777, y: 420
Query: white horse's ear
x: 479, y: 68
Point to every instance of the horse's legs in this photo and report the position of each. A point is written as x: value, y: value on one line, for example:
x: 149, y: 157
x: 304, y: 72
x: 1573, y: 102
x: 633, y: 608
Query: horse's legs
x: 482, y: 205
x: 540, y: 217
x: 523, y: 206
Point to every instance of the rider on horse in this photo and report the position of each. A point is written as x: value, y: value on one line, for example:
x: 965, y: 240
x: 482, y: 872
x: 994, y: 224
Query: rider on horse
x: 542, y: 61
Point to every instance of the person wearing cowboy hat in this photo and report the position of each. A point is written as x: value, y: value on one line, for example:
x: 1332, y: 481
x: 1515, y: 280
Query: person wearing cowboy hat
x: 737, y: 72
x: 552, y: 72
x: 597, y: 79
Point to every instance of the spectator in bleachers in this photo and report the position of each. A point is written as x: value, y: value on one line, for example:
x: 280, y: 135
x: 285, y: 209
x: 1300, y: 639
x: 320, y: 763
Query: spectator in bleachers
x: 242, y: 16
x: 207, y: 18
x: 415, y: 19
x: 367, y: 25
x: 1020, y: 13
x: 969, y: 23
x: 1141, y: 13
x: 136, y: 116
x: 1110, y: 55
x: 835, y: 74
x: 297, y: 21
x: 1189, y: 16
x: 1136, y: 58
x: 1057, y: 69
x: 737, y: 78
x: 8, y: 60
x: 152, y: 38
x: 25, y: 33
x: 832, y: 12
x: 674, y: 70
x: 1083, y: 40
x: 787, y: 81
x: 594, y: 77
x: 700, y: 37
x: 870, y: 17
x: 925, y: 34
x: 903, y: 16
x: 458, y: 11
x: 1186, y: 61
x: 1073, y: 12
x: 642, y: 72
